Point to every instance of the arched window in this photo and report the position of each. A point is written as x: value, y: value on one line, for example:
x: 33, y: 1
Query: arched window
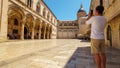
x: 44, y: 12
x: 38, y: 7
x: 29, y: 3
x: 48, y: 16
x: 75, y: 24
x: 70, y: 24
x: 60, y: 24
x: 15, y: 21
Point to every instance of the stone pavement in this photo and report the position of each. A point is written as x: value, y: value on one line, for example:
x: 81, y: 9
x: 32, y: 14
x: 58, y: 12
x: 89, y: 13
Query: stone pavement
x: 70, y: 53
x: 83, y: 59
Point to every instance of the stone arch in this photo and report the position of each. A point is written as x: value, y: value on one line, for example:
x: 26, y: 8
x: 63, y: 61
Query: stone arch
x: 30, y: 23
x: 109, y: 34
x: 43, y: 25
x: 26, y: 32
x: 13, y: 8
x: 15, y: 16
x: 37, y: 28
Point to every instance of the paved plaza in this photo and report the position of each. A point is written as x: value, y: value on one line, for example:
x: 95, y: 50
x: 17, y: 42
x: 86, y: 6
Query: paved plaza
x: 69, y: 53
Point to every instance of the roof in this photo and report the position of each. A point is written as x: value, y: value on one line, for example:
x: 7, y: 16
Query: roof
x: 81, y: 9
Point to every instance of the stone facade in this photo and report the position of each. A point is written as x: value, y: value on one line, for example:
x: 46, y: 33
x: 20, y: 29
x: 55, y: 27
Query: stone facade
x: 112, y: 29
x: 26, y: 19
x: 67, y: 29
x: 73, y: 29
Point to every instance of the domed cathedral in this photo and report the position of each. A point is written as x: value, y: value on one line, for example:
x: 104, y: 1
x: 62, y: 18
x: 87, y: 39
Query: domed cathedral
x: 26, y: 19
x: 83, y: 28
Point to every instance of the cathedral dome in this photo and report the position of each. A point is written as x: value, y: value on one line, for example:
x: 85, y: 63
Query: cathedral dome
x: 81, y: 9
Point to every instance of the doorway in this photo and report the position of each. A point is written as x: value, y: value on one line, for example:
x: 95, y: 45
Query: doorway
x: 109, y: 35
x: 26, y: 34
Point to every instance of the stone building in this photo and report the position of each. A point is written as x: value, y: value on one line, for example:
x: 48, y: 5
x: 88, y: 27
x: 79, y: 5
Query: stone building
x: 26, y: 19
x: 112, y: 13
x: 73, y: 29
x: 67, y: 29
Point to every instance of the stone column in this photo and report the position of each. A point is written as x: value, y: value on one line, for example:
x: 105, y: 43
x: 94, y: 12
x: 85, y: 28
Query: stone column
x: 3, y: 20
x: 22, y: 28
x: 33, y: 27
x: 41, y: 9
x: 44, y: 32
x: 46, y: 13
x: 39, y: 32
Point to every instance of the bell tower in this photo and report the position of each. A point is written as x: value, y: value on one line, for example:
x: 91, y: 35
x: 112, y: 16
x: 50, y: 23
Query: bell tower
x: 81, y: 12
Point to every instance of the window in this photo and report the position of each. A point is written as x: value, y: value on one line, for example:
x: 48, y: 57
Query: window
x: 44, y: 12
x: 70, y: 31
x: 60, y: 24
x: 65, y: 24
x: 60, y: 30
x: 75, y: 24
x: 29, y: 3
x: 15, y: 22
x: 51, y: 19
x: 48, y: 16
x: 38, y: 7
x: 70, y: 24
x: 65, y: 30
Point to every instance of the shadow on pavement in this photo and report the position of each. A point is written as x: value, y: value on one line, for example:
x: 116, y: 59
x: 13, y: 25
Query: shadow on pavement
x: 82, y: 58
x: 113, y: 57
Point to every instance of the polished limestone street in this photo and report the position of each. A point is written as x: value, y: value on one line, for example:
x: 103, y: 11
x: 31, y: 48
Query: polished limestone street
x: 56, y: 53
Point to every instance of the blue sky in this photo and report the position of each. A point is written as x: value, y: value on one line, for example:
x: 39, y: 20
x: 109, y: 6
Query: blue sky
x: 67, y: 9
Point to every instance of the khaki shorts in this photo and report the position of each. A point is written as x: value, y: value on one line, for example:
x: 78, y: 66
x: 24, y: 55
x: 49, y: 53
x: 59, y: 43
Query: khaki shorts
x: 97, y: 46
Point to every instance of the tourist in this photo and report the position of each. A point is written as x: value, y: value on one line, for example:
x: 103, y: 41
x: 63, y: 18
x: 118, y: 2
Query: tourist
x: 98, y: 22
